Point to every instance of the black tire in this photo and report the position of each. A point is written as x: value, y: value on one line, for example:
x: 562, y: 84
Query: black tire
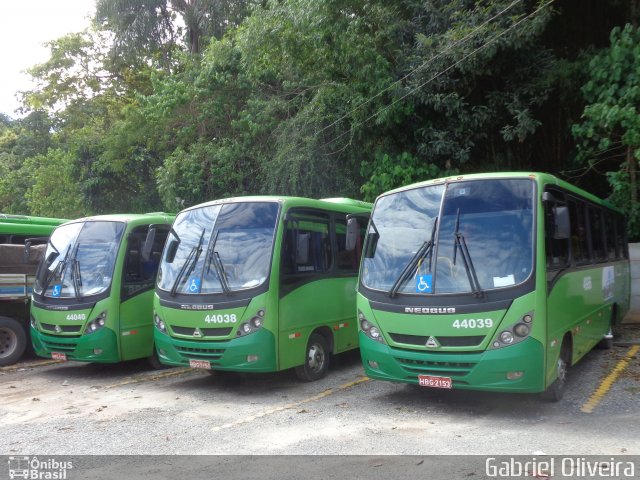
x: 316, y: 359
x: 154, y: 362
x: 555, y: 391
x: 13, y: 341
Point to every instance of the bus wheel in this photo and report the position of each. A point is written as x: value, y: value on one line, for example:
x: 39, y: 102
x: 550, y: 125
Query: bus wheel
x: 556, y: 390
x: 13, y: 341
x: 154, y: 362
x: 316, y: 361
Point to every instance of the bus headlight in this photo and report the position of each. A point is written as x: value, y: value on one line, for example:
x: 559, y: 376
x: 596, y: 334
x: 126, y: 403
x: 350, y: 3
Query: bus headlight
x: 34, y: 322
x: 506, y: 337
x: 515, y: 333
x: 521, y: 330
x: 96, y: 324
x: 369, y: 329
x: 159, y: 323
x: 253, y: 325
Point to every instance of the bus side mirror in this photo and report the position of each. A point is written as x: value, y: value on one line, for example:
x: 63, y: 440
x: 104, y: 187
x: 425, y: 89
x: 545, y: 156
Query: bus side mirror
x: 148, y: 244
x: 172, y: 248
x: 562, y: 230
x: 353, y: 228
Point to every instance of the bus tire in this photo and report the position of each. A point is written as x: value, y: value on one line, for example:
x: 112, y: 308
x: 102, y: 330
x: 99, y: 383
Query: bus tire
x: 13, y: 341
x: 555, y: 391
x: 154, y: 361
x: 316, y: 359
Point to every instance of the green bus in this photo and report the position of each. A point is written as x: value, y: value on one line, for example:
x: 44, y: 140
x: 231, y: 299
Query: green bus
x: 258, y: 284
x: 16, y: 278
x: 496, y: 282
x: 93, y: 292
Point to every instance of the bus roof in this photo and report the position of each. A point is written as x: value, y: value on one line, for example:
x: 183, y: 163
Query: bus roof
x: 28, y: 225
x: 128, y: 217
x: 539, y: 177
x: 347, y: 205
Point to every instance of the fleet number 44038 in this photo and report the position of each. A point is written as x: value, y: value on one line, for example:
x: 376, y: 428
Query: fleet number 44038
x: 226, y: 318
x: 473, y: 323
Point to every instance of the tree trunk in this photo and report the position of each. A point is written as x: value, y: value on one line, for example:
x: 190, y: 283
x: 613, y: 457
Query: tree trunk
x: 631, y: 164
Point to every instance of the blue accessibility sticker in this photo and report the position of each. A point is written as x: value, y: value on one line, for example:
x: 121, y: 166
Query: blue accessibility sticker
x: 57, y: 289
x: 194, y: 285
x: 424, y: 283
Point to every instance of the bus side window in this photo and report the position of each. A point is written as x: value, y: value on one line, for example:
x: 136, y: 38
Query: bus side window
x: 621, y: 238
x: 307, y: 247
x: 597, y: 234
x: 579, y: 239
x: 557, y: 250
x: 610, y: 232
x: 347, y: 261
x: 139, y: 274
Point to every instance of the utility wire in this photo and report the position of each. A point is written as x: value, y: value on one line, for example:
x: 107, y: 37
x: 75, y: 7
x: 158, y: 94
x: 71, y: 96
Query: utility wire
x: 442, y: 72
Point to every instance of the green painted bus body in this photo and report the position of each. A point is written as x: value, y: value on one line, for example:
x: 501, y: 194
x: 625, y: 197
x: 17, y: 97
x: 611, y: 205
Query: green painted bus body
x: 570, y: 304
x: 60, y: 328
x: 321, y: 302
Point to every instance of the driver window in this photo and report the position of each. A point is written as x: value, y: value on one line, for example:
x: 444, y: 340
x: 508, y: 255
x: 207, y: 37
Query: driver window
x: 139, y: 275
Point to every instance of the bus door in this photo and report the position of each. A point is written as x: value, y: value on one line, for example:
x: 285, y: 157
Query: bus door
x: 142, y: 258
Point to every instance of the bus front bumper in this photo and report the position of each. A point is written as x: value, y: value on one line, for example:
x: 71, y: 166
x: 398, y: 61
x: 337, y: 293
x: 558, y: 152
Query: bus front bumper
x: 255, y: 352
x: 485, y: 370
x: 99, y: 347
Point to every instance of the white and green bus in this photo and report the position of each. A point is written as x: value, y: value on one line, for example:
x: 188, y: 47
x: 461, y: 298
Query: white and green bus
x: 258, y: 284
x: 494, y: 282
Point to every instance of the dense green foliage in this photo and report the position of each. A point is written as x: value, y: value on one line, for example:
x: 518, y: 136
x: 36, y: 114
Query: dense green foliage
x: 167, y: 103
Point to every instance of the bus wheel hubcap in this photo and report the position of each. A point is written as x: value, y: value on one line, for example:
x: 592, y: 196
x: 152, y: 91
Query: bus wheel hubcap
x: 316, y: 357
x: 8, y: 342
x: 562, y: 370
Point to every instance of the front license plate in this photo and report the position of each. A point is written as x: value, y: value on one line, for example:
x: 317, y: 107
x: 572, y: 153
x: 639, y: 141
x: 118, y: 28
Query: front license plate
x: 434, y: 382
x: 206, y: 364
x: 59, y: 356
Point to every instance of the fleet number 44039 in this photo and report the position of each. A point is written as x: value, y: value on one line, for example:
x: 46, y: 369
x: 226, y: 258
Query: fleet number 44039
x: 473, y: 323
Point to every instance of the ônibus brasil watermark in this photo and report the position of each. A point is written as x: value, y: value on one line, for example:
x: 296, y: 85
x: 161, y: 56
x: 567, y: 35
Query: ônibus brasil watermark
x: 565, y: 467
x: 33, y: 468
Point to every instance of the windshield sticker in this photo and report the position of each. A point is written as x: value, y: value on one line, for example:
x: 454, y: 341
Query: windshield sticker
x: 194, y: 285
x: 504, y: 281
x: 424, y: 283
x: 57, y: 289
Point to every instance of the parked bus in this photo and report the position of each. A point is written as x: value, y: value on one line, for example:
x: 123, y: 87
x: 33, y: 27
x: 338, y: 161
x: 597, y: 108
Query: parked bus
x: 93, y: 293
x: 258, y: 284
x: 494, y: 282
x: 16, y: 279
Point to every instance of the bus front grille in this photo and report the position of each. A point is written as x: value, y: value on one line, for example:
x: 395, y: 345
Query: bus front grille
x: 201, y: 353
x: 205, y: 332
x: 61, y: 328
x: 59, y: 347
x: 427, y: 367
x: 468, y: 341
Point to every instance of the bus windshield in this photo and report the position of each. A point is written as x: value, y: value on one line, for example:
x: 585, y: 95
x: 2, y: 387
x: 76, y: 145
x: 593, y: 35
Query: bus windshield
x: 458, y: 237
x: 219, y: 248
x: 79, y: 260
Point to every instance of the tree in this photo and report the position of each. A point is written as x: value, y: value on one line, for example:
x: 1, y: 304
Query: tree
x: 610, y: 128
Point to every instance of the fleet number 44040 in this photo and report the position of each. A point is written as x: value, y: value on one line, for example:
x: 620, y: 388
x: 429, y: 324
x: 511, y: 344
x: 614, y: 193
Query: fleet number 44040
x: 473, y: 323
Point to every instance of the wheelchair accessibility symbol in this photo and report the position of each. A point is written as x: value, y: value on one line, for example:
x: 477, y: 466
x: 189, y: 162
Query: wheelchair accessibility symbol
x: 194, y: 285
x: 424, y: 283
x: 57, y: 289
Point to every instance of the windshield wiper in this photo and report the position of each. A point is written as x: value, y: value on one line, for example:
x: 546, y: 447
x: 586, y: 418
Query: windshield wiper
x: 57, y: 270
x: 423, y: 251
x: 461, y: 244
x: 76, y: 278
x: 189, y: 264
x: 213, y: 257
